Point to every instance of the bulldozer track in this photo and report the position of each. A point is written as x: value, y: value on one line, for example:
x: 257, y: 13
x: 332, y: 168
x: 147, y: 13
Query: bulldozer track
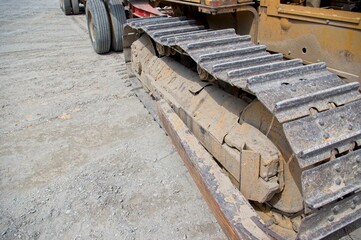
x: 319, y: 112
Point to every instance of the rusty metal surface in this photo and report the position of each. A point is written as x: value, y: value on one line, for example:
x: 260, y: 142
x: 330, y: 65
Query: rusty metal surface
x: 236, y: 60
x: 332, y: 180
x: 331, y: 218
x: 288, y: 90
x: 233, y: 211
x: 213, y: 117
x: 260, y: 190
x: 318, y: 135
x: 331, y: 89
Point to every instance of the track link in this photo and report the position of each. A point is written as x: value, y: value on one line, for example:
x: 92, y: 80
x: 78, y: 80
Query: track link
x: 325, y: 142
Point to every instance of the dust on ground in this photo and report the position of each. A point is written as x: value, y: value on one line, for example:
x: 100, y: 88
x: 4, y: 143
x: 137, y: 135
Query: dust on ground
x: 80, y: 157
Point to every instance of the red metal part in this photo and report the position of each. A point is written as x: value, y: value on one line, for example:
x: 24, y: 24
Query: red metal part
x: 142, y: 9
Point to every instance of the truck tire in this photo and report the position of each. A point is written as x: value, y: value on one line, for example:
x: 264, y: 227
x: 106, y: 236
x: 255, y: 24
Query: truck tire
x: 117, y: 20
x: 98, y: 26
x: 75, y: 6
x: 66, y: 7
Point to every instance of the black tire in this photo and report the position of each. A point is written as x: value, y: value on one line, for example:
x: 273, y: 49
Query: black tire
x: 66, y: 7
x: 75, y: 6
x: 117, y: 19
x: 98, y: 26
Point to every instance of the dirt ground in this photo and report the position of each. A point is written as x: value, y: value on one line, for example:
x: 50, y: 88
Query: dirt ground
x: 80, y: 157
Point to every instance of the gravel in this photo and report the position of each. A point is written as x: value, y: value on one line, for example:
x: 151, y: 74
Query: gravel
x: 80, y: 157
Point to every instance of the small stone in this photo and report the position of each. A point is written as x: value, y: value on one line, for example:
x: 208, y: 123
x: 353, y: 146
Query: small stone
x: 338, y: 181
x: 321, y: 122
x: 303, y: 236
x: 31, y: 211
x: 331, y: 218
x: 64, y: 116
x: 326, y: 135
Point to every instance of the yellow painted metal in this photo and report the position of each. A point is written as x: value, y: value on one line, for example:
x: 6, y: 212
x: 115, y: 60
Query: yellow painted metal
x: 316, y: 15
x: 328, y: 18
x: 314, y: 35
x: 193, y: 1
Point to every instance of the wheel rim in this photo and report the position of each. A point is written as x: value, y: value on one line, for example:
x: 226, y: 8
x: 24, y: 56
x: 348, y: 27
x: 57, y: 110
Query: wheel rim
x: 91, y: 27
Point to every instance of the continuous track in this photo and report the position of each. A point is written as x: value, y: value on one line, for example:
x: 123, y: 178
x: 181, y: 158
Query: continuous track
x: 319, y: 112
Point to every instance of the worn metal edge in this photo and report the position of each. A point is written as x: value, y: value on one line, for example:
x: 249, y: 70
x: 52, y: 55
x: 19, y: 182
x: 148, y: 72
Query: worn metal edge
x: 232, y: 211
x: 331, y: 218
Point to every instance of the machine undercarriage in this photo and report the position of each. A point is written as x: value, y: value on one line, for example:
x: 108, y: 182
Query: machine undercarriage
x: 287, y: 134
